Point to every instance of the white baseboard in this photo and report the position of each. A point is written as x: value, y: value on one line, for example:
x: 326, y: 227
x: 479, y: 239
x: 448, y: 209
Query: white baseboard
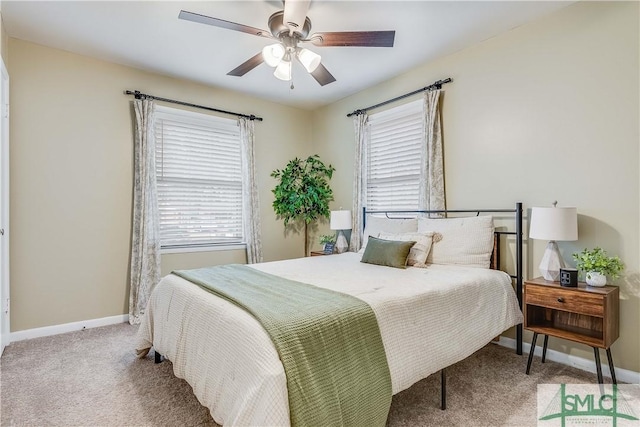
x: 622, y: 375
x: 66, y: 327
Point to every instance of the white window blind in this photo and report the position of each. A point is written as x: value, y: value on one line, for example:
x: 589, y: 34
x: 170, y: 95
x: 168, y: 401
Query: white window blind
x: 394, y: 156
x: 198, y: 169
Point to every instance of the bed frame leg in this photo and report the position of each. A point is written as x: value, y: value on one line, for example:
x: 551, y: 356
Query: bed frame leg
x: 158, y: 356
x: 443, y: 389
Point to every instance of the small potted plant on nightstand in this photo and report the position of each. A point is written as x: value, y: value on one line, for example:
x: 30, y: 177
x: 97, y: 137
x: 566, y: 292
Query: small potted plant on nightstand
x: 329, y: 241
x: 597, y: 265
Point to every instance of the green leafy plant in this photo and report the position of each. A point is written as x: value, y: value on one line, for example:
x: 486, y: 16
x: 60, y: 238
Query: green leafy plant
x: 597, y: 260
x: 303, y: 193
x: 327, y: 238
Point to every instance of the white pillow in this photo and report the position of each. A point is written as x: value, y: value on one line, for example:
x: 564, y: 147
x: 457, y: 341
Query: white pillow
x: 374, y: 225
x: 419, y: 252
x: 465, y: 241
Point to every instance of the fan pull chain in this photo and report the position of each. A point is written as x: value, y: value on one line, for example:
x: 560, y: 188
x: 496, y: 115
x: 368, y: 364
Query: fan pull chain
x: 291, y: 74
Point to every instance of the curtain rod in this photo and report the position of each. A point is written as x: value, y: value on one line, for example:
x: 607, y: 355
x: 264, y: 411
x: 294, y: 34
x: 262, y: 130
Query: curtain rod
x: 435, y: 85
x: 139, y: 95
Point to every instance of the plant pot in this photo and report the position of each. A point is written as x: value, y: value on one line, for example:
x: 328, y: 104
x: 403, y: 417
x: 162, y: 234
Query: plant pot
x: 328, y: 248
x: 594, y: 278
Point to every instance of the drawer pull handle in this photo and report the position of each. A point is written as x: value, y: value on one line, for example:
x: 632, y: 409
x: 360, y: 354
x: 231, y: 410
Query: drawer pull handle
x: 560, y: 299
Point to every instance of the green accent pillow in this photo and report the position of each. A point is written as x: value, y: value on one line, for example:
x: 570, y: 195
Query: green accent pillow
x: 390, y: 253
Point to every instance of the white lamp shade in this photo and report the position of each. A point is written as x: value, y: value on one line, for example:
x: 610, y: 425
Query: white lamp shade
x: 558, y: 224
x: 273, y: 54
x: 283, y: 70
x: 309, y: 59
x: 340, y: 220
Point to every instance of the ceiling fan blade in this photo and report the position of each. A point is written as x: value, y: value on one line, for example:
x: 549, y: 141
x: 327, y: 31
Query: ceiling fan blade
x: 354, y: 38
x: 322, y: 75
x: 247, y: 66
x: 295, y: 13
x: 203, y: 19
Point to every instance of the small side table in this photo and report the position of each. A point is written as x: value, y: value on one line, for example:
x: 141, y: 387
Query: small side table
x: 587, y: 315
x: 319, y: 253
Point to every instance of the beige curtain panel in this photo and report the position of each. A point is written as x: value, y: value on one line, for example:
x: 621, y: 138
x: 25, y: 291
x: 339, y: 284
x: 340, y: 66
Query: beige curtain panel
x: 250, y: 200
x: 431, y: 196
x: 359, y: 181
x: 145, y: 238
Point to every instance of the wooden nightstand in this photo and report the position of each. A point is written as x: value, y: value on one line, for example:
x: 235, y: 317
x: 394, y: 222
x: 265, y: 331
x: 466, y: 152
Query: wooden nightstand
x: 318, y: 253
x: 585, y: 314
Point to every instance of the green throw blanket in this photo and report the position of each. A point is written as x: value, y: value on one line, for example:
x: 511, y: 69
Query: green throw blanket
x: 329, y: 344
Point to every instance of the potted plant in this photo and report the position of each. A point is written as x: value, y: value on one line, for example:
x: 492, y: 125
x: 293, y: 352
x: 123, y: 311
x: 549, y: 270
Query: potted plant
x: 597, y: 265
x: 303, y: 193
x: 329, y: 241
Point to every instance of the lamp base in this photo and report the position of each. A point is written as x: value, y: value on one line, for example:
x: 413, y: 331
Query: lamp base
x: 551, y: 262
x: 341, y: 243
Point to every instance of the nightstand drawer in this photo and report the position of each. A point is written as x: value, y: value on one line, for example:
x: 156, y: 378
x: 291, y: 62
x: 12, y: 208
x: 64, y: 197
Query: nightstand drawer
x: 565, y: 300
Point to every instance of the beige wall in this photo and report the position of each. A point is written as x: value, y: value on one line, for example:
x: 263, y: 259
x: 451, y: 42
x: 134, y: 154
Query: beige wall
x: 548, y: 111
x: 71, y: 181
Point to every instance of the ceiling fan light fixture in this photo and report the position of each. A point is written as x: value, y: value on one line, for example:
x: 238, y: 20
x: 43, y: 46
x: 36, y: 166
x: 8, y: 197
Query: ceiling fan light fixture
x: 310, y: 60
x: 283, y: 70
x: 273, y: 54
x: 290, y: 27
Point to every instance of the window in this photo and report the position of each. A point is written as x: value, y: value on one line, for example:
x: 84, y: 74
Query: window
x: 199, y: 178
x: 394, y: 157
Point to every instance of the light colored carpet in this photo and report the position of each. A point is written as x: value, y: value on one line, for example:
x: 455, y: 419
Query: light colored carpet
x: 92, y: 378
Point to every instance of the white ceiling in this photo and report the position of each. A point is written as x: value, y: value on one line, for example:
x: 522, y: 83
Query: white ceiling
x: 148, y: 35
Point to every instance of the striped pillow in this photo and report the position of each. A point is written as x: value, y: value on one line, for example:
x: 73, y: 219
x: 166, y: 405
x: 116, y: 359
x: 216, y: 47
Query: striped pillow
x: 419, y: 252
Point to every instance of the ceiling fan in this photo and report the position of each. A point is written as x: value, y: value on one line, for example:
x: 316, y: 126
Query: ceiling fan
x: 290, y: 27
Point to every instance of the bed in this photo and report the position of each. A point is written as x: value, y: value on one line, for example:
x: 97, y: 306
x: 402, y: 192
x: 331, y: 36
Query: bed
x: 234, y: 368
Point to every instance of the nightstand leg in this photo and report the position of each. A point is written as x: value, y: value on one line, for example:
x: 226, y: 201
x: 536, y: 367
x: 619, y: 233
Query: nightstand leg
x: 611, y: 367
x: 544, y: 348
x: 531, y: 351
x: 596, y: 353
x: 443, y: 389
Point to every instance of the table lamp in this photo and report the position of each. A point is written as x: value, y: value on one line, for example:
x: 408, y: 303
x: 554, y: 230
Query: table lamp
x: 553, y: 224
x: 341, y: 220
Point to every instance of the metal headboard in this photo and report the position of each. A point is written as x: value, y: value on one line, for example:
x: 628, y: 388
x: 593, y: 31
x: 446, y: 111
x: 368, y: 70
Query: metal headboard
x: 517, y: 213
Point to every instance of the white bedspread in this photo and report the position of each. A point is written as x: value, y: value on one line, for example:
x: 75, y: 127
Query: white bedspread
x: 429, y: 318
